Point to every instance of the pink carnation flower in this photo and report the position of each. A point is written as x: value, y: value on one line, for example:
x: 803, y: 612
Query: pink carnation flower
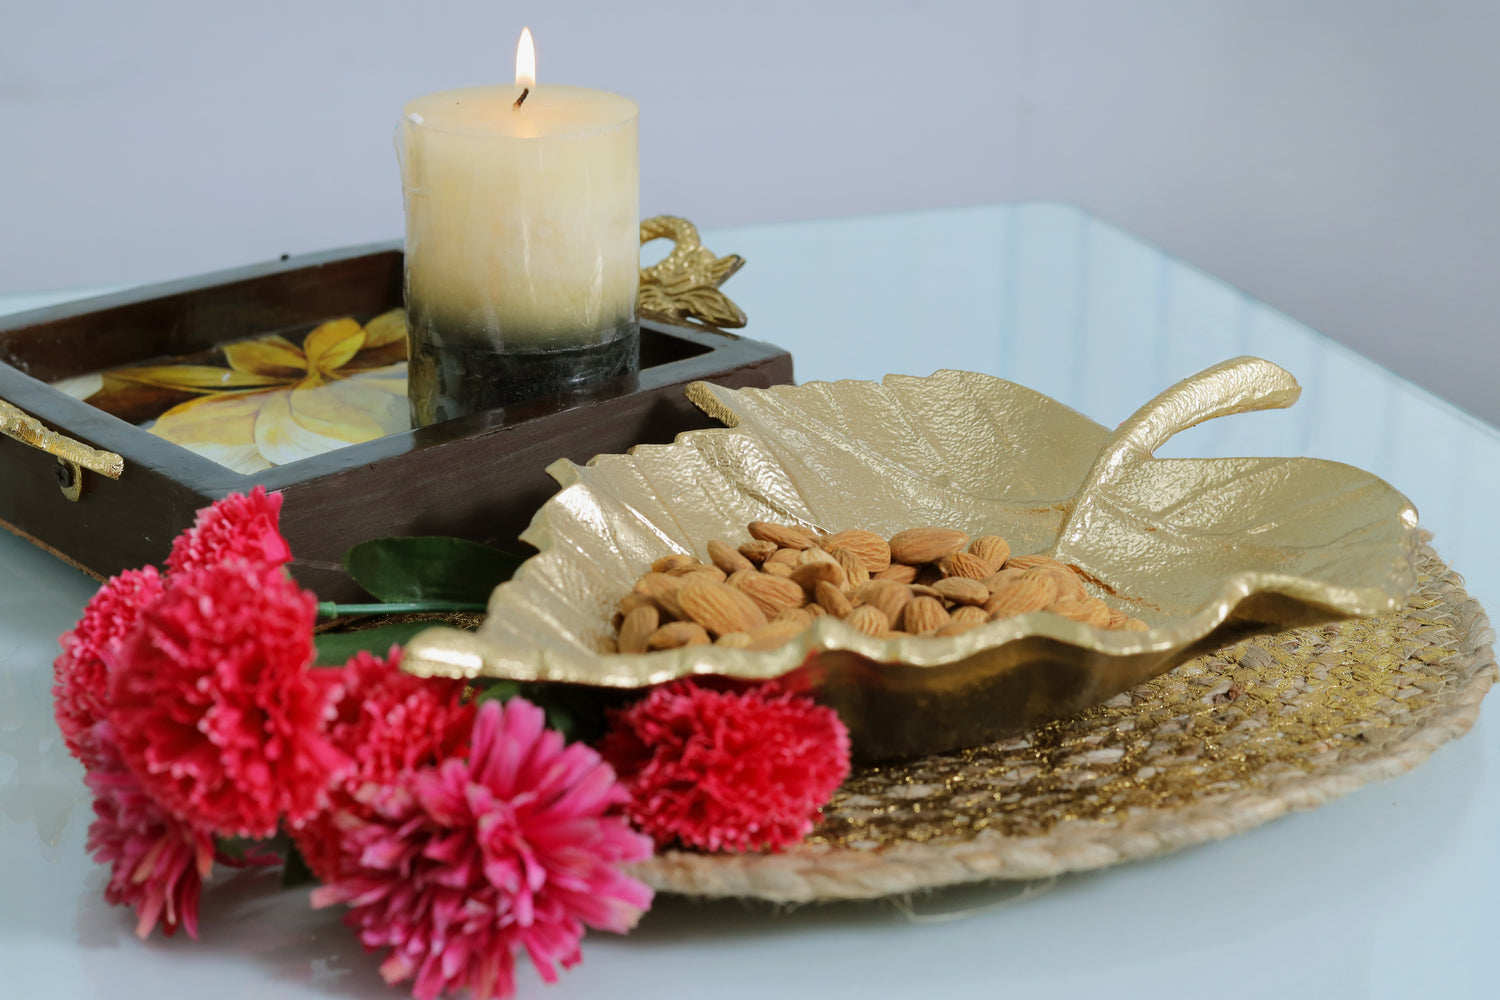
x: 388, y: 722
x: 215, y: 708
x: 462, y: 864
x: 235, y: 527
x: 80, y: 689
x: 157, y: 863
x: 727, y: 770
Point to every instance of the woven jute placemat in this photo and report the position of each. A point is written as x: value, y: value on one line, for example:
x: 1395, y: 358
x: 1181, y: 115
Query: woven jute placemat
x: 1219, y: 745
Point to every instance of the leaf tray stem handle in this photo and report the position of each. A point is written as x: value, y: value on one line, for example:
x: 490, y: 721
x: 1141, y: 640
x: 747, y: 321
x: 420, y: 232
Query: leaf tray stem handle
x: 1239, y: 385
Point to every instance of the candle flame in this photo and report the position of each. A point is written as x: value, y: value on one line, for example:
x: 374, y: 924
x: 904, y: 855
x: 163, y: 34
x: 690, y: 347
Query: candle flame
x: 525, y: 60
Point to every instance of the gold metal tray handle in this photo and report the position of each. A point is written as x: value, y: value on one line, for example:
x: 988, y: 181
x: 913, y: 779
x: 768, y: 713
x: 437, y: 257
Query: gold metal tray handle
x: 685, y: 284
x: 73, y: 456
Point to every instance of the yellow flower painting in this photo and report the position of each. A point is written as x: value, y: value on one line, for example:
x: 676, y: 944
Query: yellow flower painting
x: 276, y: 401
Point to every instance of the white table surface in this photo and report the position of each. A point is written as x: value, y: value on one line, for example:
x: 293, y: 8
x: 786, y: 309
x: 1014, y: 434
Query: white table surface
x: 1393, y: 891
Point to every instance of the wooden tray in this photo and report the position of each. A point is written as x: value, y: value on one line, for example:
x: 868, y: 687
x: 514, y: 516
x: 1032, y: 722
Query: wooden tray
x: 481, y: 476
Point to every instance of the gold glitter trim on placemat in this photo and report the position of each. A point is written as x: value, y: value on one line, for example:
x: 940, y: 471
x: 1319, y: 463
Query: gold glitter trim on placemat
x: 1223, y: 743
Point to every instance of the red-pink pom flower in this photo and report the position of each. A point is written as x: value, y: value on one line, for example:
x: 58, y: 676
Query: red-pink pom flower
x: 727, y: 770
x: 215, y: 708
x: 388, y: 722
x: 157, y: 863
x: 235, y: 527
x: 462, y: 864
x: 80, y: 689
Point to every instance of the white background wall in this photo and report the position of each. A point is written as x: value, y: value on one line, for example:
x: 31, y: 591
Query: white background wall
x: 1336, y: 158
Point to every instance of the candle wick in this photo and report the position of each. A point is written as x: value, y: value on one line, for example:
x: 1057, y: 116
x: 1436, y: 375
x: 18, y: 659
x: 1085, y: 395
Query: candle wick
x: 517, y: 106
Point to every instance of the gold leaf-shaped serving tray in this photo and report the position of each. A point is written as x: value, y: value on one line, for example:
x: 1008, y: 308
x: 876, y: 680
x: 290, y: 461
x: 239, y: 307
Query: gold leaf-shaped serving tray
x: 1203, y: 550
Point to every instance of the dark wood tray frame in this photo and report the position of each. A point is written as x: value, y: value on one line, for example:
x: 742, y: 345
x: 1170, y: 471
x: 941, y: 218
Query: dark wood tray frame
x: 481, y: 476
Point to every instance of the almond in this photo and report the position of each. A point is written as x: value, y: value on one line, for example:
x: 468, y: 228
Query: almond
x: 870, y: 620
x: 677, y: 559
x: 774, y: 634
x: 635, y: 599
x: 969, y: 613
x: 855, y: 572
x: 772, y: 594
x: 965, y: 564
x: 873, y: 551
x: 801, y: 616
x: 637, y: 628
x: 924, y: 614
x: 807, y: 575
x: 922, y: 582
x: 1031, y: 591
x: 787, y: 557
x: 676, y: 634
x: 1030, y: 562
x: 992, y: 549
x: 1002, y: 578
x: 897, y: 573
x: 662, y: 589
x: 700, y: 571
x: 928, y: 574
x: 814, y: 555
x: 956, y: 627
x: 923, y: 545
x: 654, y: 584
x: 720, y: 608
x: 727, y: 558
x: 1069, y: 583
x: 757, y: 551
x: 962, y: 590
x: 1089, y: 611
x: 832, y: 599
x: 785, y: 535
x: 889, y: 596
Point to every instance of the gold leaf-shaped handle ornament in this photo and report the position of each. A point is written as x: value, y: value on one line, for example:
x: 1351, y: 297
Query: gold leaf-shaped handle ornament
x: 685, y: 283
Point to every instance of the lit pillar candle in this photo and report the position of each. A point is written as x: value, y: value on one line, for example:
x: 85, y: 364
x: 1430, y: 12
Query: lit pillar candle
x: 522, y: 242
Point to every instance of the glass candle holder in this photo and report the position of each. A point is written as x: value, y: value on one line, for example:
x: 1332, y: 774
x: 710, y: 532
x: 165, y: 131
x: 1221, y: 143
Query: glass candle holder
x: 522, y: 245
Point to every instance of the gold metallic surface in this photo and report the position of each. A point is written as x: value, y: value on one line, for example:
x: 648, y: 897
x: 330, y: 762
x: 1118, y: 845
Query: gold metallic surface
x: 1221, y: 744
x: 685, y: 283
x: 23, y: 427
x: 1205, y: 551
x: 1227, y: 722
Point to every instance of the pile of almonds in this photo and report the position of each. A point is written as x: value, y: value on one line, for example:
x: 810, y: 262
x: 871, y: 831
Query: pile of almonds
x: 921, y: 582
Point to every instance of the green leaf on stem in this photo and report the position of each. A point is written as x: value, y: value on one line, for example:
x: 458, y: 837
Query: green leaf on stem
x: 575, y: 710
x: 296, y: 872
x: 335, y: 648
x: 429, y: 568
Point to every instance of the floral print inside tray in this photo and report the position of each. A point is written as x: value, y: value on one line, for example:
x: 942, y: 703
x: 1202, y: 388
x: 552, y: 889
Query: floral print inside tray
x: 271, y: 400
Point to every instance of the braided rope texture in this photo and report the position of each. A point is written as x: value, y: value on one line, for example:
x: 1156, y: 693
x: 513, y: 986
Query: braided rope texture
x: 1223, y: 743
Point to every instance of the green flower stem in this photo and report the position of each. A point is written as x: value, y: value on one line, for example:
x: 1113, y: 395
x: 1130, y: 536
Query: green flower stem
x: 328, y: 609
